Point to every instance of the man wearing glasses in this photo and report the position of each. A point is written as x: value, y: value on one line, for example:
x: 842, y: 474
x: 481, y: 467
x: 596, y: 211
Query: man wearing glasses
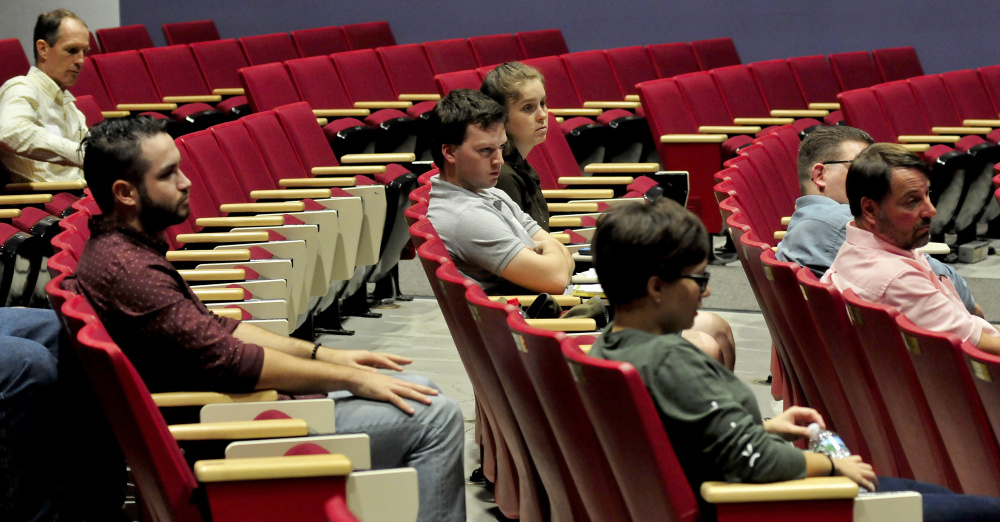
x: 819, y: 225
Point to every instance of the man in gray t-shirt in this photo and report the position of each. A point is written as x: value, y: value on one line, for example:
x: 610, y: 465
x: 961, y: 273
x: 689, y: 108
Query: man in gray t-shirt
x: 490, y: 239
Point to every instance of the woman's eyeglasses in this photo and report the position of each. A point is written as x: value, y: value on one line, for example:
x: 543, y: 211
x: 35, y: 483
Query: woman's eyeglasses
x: 701, y: 279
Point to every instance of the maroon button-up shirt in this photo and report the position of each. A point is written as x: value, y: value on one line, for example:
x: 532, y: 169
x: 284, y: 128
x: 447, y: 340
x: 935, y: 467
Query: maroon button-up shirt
x: 172, y: 339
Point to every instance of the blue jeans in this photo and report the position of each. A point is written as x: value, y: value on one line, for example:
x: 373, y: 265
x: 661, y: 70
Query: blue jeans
x: 943, y: 505
x: 44, y: 394
x: 432, y: 440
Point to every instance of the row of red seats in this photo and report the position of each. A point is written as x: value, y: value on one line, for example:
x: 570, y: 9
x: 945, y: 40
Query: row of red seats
x: 907, y: 403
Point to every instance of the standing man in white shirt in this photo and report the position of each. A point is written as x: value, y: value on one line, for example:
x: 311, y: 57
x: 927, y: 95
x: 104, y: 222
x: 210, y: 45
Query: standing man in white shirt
x: 40, y: 126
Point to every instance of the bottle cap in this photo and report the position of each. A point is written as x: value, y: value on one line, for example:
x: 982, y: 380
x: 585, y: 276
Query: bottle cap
x: 813, y: 429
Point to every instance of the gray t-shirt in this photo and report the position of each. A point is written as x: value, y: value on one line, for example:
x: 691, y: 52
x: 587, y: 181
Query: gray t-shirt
x: 482, y: 231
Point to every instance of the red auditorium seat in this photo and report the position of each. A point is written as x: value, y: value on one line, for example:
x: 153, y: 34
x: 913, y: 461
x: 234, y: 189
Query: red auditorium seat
x: 320, y: 41
x: 496, y: 49
x: 369, y: 35
x: 544, y: 42
x: 717, y: 52
x: 897, y: 63
x: 672, y: 59
x: 268, y: 48
x: 126, y: 38
x: 190, y: 32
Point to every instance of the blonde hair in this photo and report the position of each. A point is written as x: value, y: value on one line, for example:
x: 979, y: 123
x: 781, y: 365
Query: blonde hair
x: 504, y: 83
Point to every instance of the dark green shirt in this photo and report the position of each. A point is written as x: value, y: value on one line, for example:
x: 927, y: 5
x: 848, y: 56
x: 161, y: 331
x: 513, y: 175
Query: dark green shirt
x: 520, y: 181
x: 711, y: 416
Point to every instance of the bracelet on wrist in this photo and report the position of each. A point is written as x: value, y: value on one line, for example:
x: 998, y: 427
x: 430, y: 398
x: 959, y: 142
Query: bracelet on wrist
x: 833, y: 467
x: 315, y: 349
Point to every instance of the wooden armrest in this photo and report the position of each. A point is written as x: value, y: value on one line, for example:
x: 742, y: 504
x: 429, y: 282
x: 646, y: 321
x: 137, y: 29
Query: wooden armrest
x: 631, y: 168
x: 229, y: 91
x: 576, y: 112
x: 348, y: 170
x: 341, y: 113
x: 170, y: 399
x: 47, y: 186
x: 584, y: 280
x: 916, y: 147
x: 25, y: 199
x: 241, y: 221
x: 576, y: 324
x: 114, y: 114
x: 933, y: 248
x: 267, y: 468
x: 815, y: 488
x: 824, y: 106
x: 981, y: 123
x: 419, y: 97
x: 314, y: 183
x: 578, y: 193
x: 573, y: 206
x: 231, y: 313
x: 526, y: 300
x: 389, y: 157
x: 961, y: 130
x: 142, y: 107
x: 10, y: 213
x: 322, y: 121
x: 278, y: 206
x: 729, y: 129
x: 561, y: 237
x: 208, y: 256
x: 585, y: 348
x: 386, y: 104
x: 205, y: 98
x: 219, y: 294
x: 779, y: 234
x: 611, y: 105
x: 565, y: 221
x: 632, y: 97
x: 259, y: 429
x: 595, y: 180
x: 940, y: 138
x: 798, y: 113
x: 785, y: 220
x: 293, y: 194
x: 223, y: 237
x: 693, y: 138
x: 213, y: 274
x: 763, y: 121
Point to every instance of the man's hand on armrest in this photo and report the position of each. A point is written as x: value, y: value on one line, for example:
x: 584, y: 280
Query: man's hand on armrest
x: 989, y: 343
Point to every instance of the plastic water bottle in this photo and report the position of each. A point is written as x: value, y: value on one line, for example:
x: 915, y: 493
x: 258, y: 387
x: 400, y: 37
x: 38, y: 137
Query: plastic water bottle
x: 827, y: 442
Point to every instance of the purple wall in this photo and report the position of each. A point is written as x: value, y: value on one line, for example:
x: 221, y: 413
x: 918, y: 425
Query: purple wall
x: 947, y: 35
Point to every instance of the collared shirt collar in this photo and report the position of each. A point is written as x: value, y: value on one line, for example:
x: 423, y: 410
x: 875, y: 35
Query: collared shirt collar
x: 101, y: 224
x: 49, y: 86
x: 866, y: 239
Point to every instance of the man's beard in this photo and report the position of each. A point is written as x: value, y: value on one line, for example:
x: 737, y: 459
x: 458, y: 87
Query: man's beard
x: 156, y: 217
x: 912, y: 242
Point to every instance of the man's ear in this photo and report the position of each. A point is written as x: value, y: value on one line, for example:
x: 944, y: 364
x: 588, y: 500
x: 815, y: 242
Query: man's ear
x: 42, y: 47
x: 869, y: 211
x: 448, y: 151
x: 818, y: 173
x: 125, y: 193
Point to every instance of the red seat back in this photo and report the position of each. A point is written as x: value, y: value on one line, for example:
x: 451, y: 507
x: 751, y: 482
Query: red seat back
x: 89, y: 83
x: 854, y: 70
x: 175, y: 71
x: 448, y: 82
x: 899, y: 386
x: 970, y: 95
x: 496, y: 49
x: 91, y: 111
x: 320, y: 41
x: 593, y: 76
x: 630, y: 430
x: 897, y: 63
x: 704, y: 99
x: 369, y: 35
x: 778, y: 85
x: 632, y: 65
x: 13, y: 61
x: 932, y: 95
x: 318, y: 83
x: 740, y: 92
x: 268, y: 86
x: 363, y: 76
x: 672, y: 59
x: 901, y: 108
x: 984, y: 367
x: 190, y: 32
x: 816, y: 79
x: 544, y: 42
x: 991, y: 80
x: 408, y: 69
x: 863, y: 110
x: 541, y: 354
x: 955, y: 407
x: 716, y: 52
x: 219, y: 61
x: 268, y: 48
x: 450, y: 55
x: 126, y: 77
x: 125, y: 38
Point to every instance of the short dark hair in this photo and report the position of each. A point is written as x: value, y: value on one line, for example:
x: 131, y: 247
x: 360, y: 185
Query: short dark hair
x: 454, y: 113
x: 870, y: 175
x: 823, y: 144
x: 113, y: 151
x: 47, y: 27
x: 636, y: 241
